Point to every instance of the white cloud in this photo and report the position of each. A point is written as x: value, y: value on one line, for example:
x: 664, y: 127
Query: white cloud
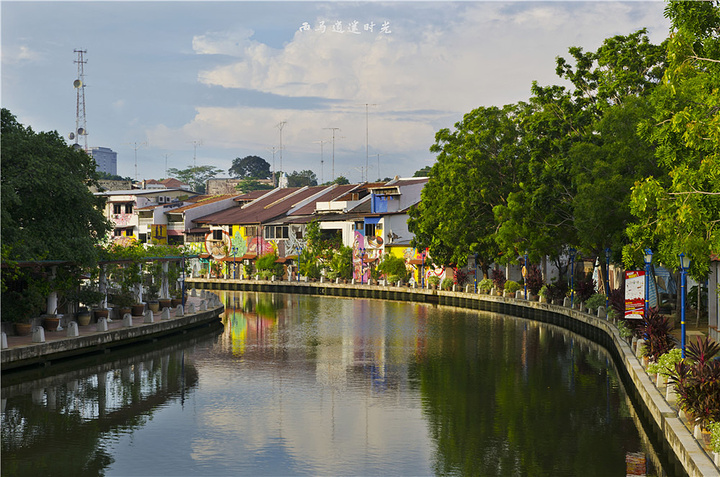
x: 12, y: 54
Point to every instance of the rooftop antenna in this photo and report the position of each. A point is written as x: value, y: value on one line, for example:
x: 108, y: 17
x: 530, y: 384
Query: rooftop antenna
x: 79, y: 85
x: 367, y: 147
x: 322, y: 160
x: 136, y: 145
x: 166, y: 157
x: 333, y: 149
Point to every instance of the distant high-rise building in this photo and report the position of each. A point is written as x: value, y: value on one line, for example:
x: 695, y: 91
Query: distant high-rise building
x: 105, y: 158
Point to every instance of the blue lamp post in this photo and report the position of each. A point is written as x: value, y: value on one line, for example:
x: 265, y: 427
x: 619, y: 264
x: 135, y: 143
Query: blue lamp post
x: 684, y: 266
x: 607, y: 276
x: 422, y: 269
x: 362, y: 265
x: 476, y: 271
x: 525, y: 269
x: 572, y: 276
x: 648, y: 260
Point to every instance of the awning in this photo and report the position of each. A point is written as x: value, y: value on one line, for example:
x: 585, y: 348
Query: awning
x: 204, y: 255
x: 249, y: 256
x: 416, y: 261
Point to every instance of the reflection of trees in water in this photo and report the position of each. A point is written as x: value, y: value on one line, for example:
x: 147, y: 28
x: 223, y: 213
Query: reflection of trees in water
x: 54, y: 426
x: 511, y: 397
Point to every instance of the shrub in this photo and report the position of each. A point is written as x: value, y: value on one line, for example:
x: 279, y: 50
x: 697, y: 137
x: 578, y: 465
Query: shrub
x: 534, y: 280
x: 307, y: 264
x: 266, y: 262
x: 666, y: 363
x: 433, y: 280
x: 498, y: 278
x: 714, y: 429
x: 391, y: 265
x: 656, y: 332
x: 393, y: 279
x: 512, y: 286
x: 485, y: 285
x: 463, y: 276
x: 447, y: 284
x: 543, y: 292
x: 584, y: 287
x: 557, y: 290
x: 341, y: 264
x: 595, y: 302
x: 617, y: 301
x: 624, y: 330
x: 697, y: 381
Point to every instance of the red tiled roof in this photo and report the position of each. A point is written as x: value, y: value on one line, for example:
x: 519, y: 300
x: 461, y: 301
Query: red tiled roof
x: 262, y: 210
x: 207, y: 199
x: 328, y: 196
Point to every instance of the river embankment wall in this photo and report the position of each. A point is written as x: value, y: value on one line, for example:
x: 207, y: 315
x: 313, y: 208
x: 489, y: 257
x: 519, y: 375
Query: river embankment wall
x: 669, y: 427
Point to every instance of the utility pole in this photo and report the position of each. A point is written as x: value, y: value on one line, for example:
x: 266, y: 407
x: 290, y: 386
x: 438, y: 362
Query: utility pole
x: 194, y: 169
x: 280, y: 127
x: 166, y: 157
x: 273, y: 149
x: 333, y: 150
x: 367, y: 142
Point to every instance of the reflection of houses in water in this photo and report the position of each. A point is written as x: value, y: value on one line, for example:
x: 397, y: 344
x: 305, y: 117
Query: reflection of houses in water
x: 47, y: 416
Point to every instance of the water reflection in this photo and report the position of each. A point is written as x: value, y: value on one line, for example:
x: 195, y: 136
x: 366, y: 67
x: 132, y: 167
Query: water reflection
x: 327, y: 386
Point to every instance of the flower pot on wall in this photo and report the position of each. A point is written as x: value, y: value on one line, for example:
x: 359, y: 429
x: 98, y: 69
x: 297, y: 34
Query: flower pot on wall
x: 83, y: 318
x: 101, y: 313
x: 50, y: 322
x: 138, y: 309
x: 22, y: 329
x: 154, y: 306
x: 165, y: 303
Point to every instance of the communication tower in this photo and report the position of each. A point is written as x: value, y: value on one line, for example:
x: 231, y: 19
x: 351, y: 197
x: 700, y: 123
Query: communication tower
x: 80, y: 121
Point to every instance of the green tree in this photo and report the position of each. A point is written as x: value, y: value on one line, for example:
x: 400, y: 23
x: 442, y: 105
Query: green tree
x: 197, y: 176
x: 48, y: 212
x: 477, y: 167
x: 302, y: 179
x: 424, y: 172
x: 678, y: 210
x: 250, y: 167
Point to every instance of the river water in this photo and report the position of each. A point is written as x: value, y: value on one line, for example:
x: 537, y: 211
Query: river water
x: 301, y: 385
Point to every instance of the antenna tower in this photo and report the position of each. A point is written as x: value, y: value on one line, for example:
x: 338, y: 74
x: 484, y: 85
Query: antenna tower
x: 79, y: 84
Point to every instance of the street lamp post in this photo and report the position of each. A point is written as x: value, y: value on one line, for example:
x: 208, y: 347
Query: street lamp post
x: 607, y: 277
x: 572, y: 276
x: 648, y: 260
x: 234, y: 252
x: 422, y: 269
x: 684, y: 266
x: 362, y: 265
x: 526, y: 271
x: 476, y: 272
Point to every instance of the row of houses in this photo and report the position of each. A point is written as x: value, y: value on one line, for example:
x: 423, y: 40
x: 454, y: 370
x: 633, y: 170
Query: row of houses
x: 230, y: 231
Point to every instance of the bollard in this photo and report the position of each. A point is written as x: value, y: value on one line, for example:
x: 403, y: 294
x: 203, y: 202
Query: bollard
x: 193, y: 293
x: 566, y: 302
x: 179, y: 311
x: 203, y: 305
x: 3, y: 341
x: 149, y: 318
x: 102, y: 324
x: 191, y: 309
x: 353, y: 282
x: 127, y: 320
x: 38, y: 334
x: 72, y: 330
x: 165, y: 315
x: 601, y: 313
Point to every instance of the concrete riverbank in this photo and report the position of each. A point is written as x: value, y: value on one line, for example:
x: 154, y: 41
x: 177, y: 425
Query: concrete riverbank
x: 669, y: 428
x: 23, y: 353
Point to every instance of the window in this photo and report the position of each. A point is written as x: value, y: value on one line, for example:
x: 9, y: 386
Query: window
x: 276, y: 232
x: 128, y: 208
x: 217, y: 234
x: 143, y: 238
x: 251, y: 231
x: 369, y: 230
x: 117, y: 208
x: 118, y: 232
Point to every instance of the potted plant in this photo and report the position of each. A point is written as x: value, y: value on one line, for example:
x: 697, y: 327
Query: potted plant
x: 446, y: 284
x: 124, y: 301
x: 433, y: 281
x: 485, y: 285
x: 91, y: 296
x: 511, y: 287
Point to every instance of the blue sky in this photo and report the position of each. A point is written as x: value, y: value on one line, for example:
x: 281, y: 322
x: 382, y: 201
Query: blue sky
x: 215, y: 79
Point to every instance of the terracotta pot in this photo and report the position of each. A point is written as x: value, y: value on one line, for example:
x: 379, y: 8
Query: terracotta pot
x: 175, y: 302
x: 125, y: 310
x: 50, y: 323
x: 154, y: 306
x: 83, y: 318
x: 22, y: 329
x: 165, y: 303
x: 138, y: 309
x: 101, y: 313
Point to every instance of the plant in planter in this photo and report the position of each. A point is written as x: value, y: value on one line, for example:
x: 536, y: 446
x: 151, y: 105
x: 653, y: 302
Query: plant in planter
x: 656, y: 332
x: 485, y: 285
x: 24, y: 299
x: 512, y: 286
x: 625, y: 331
x: 446, y: 284
x: 697, y: 381
x: 534, y: 280
x: 666, y: 363
x: 557, y: 290
x: 392, y: 265
x: 498, y: 278
x: 714, y: 429
x: 433, y: 281
x: 584, y: 287
x: 595, y: 302
x: 393, y: 279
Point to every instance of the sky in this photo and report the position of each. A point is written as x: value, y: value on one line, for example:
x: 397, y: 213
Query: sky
x: 357, y: 89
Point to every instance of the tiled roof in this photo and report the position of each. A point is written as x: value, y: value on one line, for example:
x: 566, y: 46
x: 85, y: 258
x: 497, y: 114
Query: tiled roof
x: 331, y: 194
x: 205, y: 200
x: 254, y: 212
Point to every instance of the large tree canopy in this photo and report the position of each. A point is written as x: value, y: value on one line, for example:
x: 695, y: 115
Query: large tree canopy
x: 250, y: 167
x: 678, y: 210
x: 48, y: 212
x: 302, y: 179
